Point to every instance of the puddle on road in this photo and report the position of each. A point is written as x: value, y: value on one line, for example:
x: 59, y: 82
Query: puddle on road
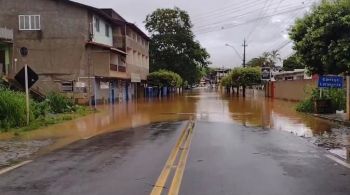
x: 206, y: 105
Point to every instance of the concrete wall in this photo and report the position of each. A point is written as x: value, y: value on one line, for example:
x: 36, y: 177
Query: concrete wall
x: 292, y: 90
x: 138, y: 54
x: 100, y: 36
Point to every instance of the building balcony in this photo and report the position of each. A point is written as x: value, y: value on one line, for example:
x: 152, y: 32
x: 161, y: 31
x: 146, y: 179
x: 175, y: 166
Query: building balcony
x: 118, y: 71
x: 131, y: 43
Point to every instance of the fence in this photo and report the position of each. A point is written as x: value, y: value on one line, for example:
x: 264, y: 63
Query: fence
x: 294, y: 90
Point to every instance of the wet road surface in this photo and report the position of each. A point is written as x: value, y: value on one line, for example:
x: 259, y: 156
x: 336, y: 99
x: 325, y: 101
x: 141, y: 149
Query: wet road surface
x: 232, y: 159
x: 125, y: 162
x: 238, y: 146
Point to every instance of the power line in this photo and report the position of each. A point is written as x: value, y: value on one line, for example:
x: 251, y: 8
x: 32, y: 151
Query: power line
x: 218, y: 23
x: 240, y: 15
x: 227, y: 12
x: 229, y: 26
x: 281, y: 1
x: 223, y: 9
x: 263, y: 12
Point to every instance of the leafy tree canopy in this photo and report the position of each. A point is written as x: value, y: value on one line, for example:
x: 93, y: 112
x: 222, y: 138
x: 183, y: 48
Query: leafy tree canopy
x: 322, y: 38
x: 268, y: 59
x: 292, y: 62
x: 173, y: 46
x: 242, y: 77
x: 164, y: 78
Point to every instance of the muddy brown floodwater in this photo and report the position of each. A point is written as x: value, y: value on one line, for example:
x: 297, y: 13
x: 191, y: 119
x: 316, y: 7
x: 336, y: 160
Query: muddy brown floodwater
x: 205, y: 104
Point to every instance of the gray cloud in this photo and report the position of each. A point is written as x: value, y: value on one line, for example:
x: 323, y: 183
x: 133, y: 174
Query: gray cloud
x: 266, y: 34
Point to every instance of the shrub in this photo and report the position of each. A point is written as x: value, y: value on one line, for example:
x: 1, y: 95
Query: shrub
x: 12, y: 109
x: 337, y: 97
x: 41, y: 108
x: 306, y: 106
x: 59, y: 103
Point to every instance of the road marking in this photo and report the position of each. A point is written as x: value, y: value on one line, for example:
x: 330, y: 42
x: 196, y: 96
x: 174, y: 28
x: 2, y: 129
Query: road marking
x: 160, y: 184
x: 176, y: 183
x: 339, y: 161
x: 14, y: 167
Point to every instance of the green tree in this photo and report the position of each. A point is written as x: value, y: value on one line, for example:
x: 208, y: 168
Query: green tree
x: 275, y: 57
x: 173, y: 46
x: 292, y: 62
x: 164, y: 78
x: 322, y: 38
x: 257, y: 62
x: 269, y: 59
x: 242, y: 77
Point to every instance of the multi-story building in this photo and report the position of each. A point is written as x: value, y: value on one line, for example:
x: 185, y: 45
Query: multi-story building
x: 76, y: 49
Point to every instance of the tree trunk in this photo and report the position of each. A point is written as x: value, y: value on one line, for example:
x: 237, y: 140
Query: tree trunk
x: 237, y: 91
x: 244, y: 91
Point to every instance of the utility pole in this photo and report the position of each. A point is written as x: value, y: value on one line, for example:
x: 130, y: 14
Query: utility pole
x: 244, y: 58
x: 244, y: 52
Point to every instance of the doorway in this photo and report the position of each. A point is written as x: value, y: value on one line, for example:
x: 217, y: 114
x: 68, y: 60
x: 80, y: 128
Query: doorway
x: 2, y: 62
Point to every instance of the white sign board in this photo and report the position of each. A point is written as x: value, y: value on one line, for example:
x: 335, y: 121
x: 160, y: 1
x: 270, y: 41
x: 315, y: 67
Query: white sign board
x: 80, y: 84
x: 104, y: 85
x: 135, y: 78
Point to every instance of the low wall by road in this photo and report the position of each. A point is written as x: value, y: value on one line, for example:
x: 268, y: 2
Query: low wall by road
x: 295, y: 90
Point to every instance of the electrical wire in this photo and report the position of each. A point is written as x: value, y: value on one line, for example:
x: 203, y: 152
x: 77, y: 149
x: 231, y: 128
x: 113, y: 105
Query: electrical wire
x: 229, y: 26
x: 262, y: 14
x: 218, y: 23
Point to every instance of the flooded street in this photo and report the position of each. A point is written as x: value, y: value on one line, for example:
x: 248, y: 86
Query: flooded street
x: 205, y: 104
x: 201, y: 142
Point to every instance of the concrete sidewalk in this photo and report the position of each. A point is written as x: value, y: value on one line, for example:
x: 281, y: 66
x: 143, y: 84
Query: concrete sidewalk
x: 336, y: 118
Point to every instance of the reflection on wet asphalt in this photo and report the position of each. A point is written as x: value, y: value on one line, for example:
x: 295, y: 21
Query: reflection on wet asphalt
x: 239, y: 146
x: 207, y: 105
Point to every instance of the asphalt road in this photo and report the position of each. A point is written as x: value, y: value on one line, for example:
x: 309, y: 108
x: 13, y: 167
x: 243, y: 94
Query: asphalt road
x: 214, y: 158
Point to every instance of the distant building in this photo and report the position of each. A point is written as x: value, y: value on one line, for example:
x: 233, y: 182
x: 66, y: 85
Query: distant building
x: 83, y: 51
x: 219, y: 73
x: 297, y: 74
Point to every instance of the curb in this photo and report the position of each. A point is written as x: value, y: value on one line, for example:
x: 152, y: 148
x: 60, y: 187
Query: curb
x: 338, y: 121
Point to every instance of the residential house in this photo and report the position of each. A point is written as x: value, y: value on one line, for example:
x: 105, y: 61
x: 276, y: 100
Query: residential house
x: 85, y: 52
x: 297, y: 74
x: 220, y: 73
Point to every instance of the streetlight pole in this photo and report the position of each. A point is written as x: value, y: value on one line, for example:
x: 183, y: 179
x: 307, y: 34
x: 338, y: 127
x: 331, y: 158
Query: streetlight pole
x: 234, y: 49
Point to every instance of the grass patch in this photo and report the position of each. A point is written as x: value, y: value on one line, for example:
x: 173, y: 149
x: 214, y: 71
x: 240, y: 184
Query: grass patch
x: 50, y: 119
x: 56, y: 108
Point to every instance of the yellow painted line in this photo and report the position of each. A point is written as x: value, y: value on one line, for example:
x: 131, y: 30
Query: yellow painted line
x: 339, y: 161
x: 176, y: 183
x: 159, y: 186
x: 14, y: 167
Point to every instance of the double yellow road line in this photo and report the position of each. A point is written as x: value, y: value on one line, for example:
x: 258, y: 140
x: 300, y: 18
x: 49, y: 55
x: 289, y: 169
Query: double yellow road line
x: 177, y: 159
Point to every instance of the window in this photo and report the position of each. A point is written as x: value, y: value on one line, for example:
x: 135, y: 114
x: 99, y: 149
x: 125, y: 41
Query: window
x: 97, y: 24
x: 107, y: 30
x: 67, y: 86
x: 29, y: 22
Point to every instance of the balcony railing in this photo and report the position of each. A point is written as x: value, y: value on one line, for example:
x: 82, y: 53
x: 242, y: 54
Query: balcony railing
x: 118, y: 68
x: 121, y: 69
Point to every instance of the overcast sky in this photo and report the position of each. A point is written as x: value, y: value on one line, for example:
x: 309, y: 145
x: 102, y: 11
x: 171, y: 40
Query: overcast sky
x: 218, y: 22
